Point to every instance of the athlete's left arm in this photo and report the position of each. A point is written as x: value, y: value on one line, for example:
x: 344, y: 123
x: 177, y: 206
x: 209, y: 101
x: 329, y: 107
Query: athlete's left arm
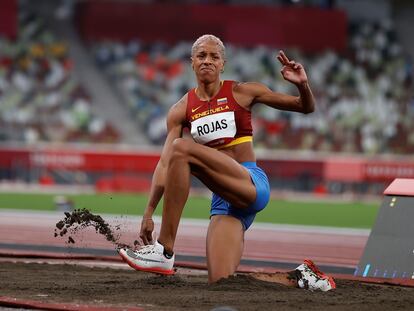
x: 292, y: 72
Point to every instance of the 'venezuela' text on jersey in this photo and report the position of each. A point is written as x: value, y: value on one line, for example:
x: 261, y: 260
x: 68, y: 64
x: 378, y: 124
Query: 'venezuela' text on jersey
x: 219, y: 122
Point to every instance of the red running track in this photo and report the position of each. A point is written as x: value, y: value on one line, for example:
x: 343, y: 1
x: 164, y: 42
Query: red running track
x: 263, y: 242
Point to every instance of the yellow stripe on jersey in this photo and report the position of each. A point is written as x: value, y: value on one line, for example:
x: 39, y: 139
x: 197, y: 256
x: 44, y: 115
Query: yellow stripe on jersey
x: 238, y: 140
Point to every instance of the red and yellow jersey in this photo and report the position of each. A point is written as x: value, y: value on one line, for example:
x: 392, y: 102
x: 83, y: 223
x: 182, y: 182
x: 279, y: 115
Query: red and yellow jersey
x: 220, y: 122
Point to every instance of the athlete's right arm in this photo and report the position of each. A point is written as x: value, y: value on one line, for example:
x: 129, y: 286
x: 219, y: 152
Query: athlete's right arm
x: 175, y: 121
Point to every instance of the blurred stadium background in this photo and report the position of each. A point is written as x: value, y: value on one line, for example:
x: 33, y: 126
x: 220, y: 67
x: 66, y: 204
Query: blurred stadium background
x: 85, y: 86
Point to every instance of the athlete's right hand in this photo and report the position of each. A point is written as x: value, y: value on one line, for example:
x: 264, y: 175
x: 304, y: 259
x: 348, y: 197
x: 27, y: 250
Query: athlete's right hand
x: 147, y: 227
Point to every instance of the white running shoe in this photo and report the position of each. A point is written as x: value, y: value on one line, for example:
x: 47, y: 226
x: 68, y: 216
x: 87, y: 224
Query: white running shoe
x: 149, y: 258
x: 310, y: 277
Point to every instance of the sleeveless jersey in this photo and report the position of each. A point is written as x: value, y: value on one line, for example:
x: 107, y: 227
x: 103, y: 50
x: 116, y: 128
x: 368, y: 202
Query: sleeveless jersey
x: 220, y: 122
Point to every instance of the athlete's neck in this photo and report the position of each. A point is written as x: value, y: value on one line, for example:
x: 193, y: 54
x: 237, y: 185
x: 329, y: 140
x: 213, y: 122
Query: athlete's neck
x: 206, y: 91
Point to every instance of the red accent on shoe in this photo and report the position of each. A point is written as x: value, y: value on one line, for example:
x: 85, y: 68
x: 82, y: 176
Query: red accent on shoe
x: 332, y: 282
x: 318, y: 272
x: 145, y: 269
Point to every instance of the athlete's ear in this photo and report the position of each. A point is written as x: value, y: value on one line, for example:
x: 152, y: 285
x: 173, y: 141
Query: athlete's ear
x: 192, y: 62
x: 222, y: 69
x: 224, y: 63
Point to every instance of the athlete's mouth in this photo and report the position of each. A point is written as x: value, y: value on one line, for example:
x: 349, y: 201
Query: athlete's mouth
x: 206, y: 69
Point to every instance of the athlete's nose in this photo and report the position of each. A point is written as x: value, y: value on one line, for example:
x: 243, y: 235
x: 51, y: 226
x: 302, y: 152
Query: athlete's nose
x: 208, y: 60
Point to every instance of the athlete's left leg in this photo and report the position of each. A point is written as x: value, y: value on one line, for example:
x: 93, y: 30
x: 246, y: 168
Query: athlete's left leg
x: 225, y: 242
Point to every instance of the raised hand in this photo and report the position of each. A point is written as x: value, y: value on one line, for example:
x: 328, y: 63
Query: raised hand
x: 292, y: 71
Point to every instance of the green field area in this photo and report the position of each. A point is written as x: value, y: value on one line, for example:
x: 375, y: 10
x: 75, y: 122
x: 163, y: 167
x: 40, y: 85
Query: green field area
x: 352, y: 215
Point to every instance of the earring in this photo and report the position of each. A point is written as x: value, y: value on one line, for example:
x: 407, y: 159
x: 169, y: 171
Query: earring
x: 222, y: 70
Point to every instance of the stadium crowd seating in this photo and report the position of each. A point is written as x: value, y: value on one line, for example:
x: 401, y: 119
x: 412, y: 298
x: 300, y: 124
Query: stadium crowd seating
x: 364, y: 96
x: 40, y: 99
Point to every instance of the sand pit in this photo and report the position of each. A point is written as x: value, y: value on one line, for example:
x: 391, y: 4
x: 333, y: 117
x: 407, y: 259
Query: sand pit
x: 187, y: 291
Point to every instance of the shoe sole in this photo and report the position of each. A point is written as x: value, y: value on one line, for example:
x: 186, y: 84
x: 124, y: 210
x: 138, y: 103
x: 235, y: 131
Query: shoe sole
x: 318, y: 272
x: 145, y: 269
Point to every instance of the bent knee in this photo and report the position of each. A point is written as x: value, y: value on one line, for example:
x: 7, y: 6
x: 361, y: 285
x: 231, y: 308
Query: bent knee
x: 180, y: 149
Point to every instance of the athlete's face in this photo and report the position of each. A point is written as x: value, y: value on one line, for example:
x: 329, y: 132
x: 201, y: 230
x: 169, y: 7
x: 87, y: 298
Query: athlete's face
x: 207, y: 61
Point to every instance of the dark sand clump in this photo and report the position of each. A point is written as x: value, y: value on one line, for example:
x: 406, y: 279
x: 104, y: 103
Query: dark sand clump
x: 82, y: 218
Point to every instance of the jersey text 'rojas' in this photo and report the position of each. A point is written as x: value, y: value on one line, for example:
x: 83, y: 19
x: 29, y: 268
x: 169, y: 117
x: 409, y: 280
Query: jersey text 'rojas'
x: 220, y: 121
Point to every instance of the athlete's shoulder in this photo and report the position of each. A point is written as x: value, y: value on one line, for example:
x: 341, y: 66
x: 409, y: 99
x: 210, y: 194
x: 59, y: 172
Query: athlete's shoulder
x: 247, y: 86
x: 234, y: 85
x: 180, y: 104
x: 183, y: 100
x: 178, y: 110
x: 246, y: 92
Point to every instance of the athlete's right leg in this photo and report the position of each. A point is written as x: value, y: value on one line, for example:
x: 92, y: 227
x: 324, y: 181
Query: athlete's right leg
x: 222, y: 175
x: 216, y: 170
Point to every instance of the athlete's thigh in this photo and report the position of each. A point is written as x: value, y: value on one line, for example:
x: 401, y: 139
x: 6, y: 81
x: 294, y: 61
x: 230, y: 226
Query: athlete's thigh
x: 221, y: 174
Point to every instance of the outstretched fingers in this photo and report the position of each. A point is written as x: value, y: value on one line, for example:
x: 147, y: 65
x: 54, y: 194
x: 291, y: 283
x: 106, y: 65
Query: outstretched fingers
x: 284, y: 60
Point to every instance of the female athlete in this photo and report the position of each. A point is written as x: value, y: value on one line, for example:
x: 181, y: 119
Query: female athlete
x: 220, y: 154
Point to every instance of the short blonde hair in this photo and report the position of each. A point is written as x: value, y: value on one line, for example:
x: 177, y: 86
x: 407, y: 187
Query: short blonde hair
x: 209, y: 37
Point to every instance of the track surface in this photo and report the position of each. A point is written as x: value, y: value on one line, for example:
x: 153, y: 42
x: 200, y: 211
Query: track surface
x: 280, y: 246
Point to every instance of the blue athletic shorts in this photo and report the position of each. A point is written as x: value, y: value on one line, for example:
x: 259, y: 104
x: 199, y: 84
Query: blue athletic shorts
x: 246, y: 215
